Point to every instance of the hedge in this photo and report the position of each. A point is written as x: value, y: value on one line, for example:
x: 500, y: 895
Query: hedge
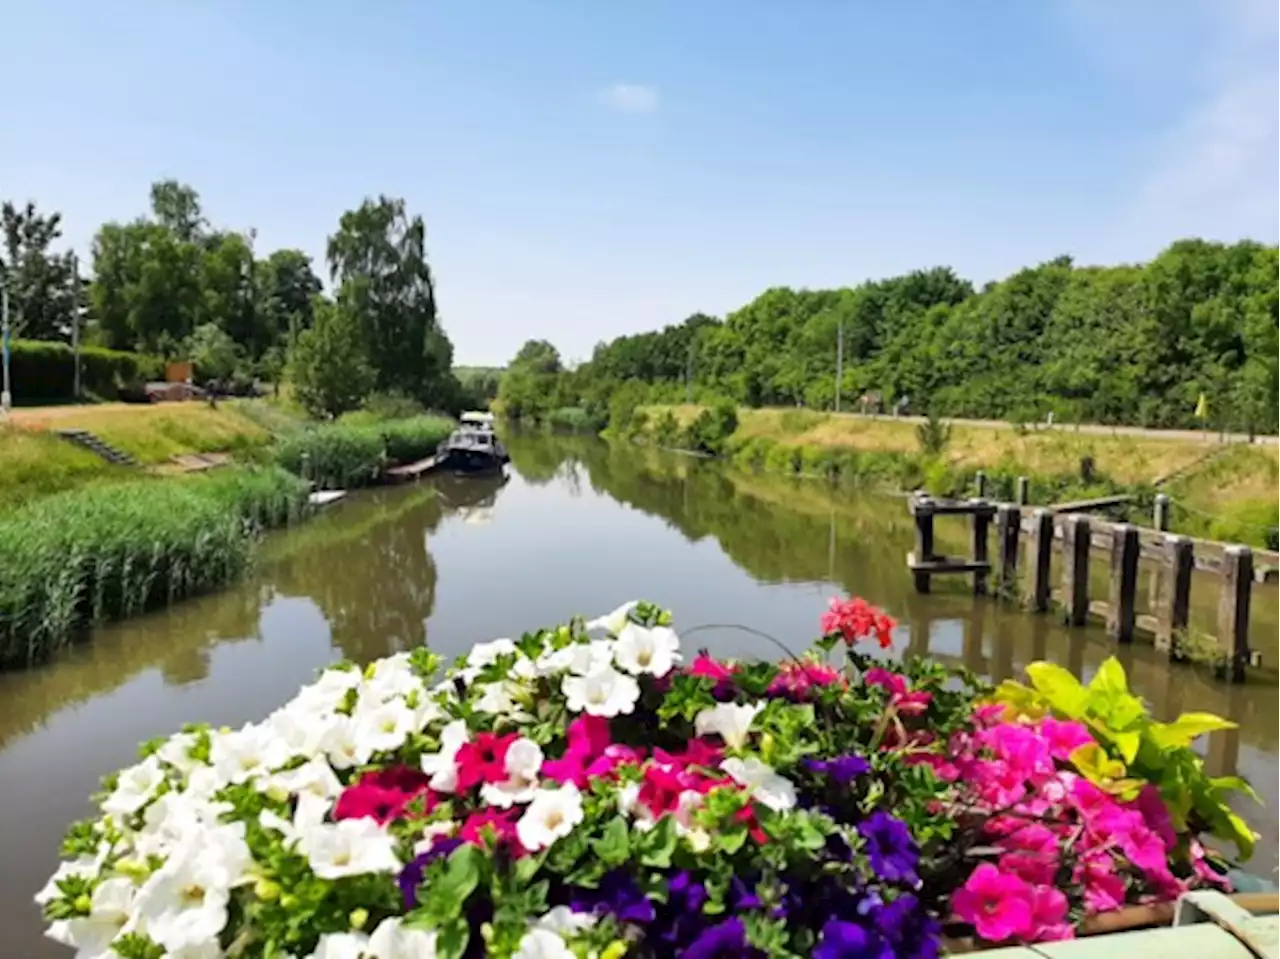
x: 41, y: 371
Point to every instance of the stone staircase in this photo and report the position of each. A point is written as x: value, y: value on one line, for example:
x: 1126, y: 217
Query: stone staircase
x: 87, y: 440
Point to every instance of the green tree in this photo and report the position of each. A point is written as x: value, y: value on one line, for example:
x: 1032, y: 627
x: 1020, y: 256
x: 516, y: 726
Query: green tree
x: 378, y: 259
x: 328, y: 366
x: 215, y: 354
x: 176, y: 207
x: 287, y: 288
x: 39, y: 281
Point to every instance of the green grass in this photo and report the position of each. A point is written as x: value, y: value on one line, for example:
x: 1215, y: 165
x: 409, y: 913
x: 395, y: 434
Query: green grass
x: 103, y: 553
x: 33, y: 465
x: 350, y: 455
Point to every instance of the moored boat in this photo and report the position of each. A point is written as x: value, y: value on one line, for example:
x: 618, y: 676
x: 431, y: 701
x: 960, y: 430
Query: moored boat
x: 472, y: 451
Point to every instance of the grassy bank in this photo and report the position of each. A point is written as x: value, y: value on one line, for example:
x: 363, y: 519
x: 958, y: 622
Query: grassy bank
x: 1222, y: 492
x: 107, y: 552
x: 347, y: 455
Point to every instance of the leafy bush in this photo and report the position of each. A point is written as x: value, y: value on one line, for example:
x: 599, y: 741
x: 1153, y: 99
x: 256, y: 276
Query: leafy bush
x: 44, y: 372
x: 933, y: 435
x: 572, y: 418
x: 711, y: 429
x: 666, y: 430
x: 107, y: 552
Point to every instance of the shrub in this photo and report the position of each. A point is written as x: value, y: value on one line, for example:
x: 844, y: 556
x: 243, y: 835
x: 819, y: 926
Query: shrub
x: 666, y: 430
x: 44, y: 372
x: 572, y: 418
x: 933, y: 435
x: 107, y: 552
x: 711, y: 429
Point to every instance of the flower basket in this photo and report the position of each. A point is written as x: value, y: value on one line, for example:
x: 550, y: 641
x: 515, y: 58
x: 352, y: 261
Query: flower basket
x: 592, y: 790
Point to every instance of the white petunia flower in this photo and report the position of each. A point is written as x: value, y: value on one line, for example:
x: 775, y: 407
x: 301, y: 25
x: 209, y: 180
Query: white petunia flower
x: 612, y: 623
x: 350, y: 847
x: 341, y: 743
x: 441, y: 766
x: 381, y: 728
x: 653, y: 651
x: 432, y: 832
x: 172, y: 818
x: 523, y: 762
x: 580, y: 659
x: 498, y: 699
x: 564, y: 921
x: 342, y: 945
x: 184, y: 903
x: 247, y: 754
x: 135, y: 787
x: 767, y: 787
x: 314, y: 778
x: 85, y: 867
x: 177, y: 753
x: 109, y: 911
x: 731, y: 721
x: 540, y: 943
x: 302, y: 730
x: 604, y: 692
x: 552, y: 814
x: 485, y: 654
x: 391, y: 940
x: 328, y: 692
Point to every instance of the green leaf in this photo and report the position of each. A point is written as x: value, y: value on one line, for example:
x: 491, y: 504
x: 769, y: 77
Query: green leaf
x: 447, y: 896
x: 614, y: 846
x: 1109, y: 679
x: 1128, y: 743
x: 451, y: 941
x: 1060, y: 688
x: 1186, y: 728
x: 1237, y: 784
x: 1238, y: 831
x: 658, y: 844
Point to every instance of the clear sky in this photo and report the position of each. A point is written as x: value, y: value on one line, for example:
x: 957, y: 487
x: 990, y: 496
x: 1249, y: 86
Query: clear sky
x: 587, y: 169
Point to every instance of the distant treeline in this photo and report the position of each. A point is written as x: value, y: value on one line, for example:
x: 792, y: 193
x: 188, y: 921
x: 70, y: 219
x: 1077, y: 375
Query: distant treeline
x: 1132, y: 344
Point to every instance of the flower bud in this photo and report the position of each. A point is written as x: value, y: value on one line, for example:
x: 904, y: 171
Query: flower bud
x: 358, y: 918
x: 266, y: 890
x: 615, y: 950
x: 82, y: 904
x: 278, y: 794
x: 288, y: 901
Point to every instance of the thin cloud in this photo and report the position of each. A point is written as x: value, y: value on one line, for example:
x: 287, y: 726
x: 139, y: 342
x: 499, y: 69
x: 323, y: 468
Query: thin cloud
x: 630, y: 98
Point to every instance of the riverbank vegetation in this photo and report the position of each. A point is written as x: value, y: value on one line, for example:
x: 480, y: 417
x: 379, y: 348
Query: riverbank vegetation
x: 102, y: 553
x: 350, y: 454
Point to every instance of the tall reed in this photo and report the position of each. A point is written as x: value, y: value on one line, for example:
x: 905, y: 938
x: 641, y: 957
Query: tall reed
x: 108, y: 552
x: 349, y: 455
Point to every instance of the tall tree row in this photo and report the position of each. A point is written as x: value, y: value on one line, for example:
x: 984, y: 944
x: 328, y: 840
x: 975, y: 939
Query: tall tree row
x: 1136, y: 344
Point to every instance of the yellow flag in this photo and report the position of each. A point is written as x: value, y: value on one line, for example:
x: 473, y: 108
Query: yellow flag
x: 1202, y: 408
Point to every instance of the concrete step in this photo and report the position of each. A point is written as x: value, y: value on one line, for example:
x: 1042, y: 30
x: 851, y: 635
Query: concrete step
x: 86, y: 440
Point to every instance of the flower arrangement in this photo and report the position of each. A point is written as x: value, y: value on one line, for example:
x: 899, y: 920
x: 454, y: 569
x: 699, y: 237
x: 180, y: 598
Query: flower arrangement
x: 584, y: 791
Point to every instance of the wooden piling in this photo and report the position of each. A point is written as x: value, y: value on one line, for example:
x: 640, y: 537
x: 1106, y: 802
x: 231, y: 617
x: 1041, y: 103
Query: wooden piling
x: 1173, y: 606
x: 1076, y: 535
x: 1160, y: 520
x: 1123, y: 608
x: 1008, y: 531
x: 1039, y: 558
x: 924, y: 544
x: 1233, y: 608
x: 980, y: 483
x: 1024, y: 491
x: 981, y: 523
x: 1160, y: 515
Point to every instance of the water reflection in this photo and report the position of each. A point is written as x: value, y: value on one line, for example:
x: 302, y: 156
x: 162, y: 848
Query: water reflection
x: 581, y: 527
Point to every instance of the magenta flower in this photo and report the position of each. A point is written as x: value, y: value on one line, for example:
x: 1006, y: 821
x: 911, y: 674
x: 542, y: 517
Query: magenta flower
x: 998, y: 905
x: 1064, y: 737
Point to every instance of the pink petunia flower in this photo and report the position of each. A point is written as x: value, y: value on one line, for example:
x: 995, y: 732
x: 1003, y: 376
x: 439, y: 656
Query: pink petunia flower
x: 1000, y: 906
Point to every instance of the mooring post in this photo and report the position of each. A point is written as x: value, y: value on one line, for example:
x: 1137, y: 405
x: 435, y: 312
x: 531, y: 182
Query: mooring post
x: 923, y: 510
x: 1076, y: 536
x: 1173, y: 608
x: 1008, y: 530
x: 306, y: 466
x: 980, y: 482
x: 1024, y: 491
x: 1233, y: 608
x: 1123, y: 610
x: 1160, y: 515
x: 981, y: 523
x: 1039, y: 559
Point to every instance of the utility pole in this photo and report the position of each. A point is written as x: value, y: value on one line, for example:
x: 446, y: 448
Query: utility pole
x: 688, y: 375
x: 75, y: 321
x: 839, y: 360
x: 6, y: 398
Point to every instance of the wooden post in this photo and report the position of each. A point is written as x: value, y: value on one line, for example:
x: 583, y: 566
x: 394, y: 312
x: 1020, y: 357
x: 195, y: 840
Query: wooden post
x: 1008, y: 529
x: 1233, y: 608
x: 924, y: 543
x: 981, y: 522
x: 1075, y: 568
x: 1039, y: 557
x: 1124, y: 583
x: 1173, y: 608
x: 1161, y: 514
x: 980, y: 481
x: 1024, y: 491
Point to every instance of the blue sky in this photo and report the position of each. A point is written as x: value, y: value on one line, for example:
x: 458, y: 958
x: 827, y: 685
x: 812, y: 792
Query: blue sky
x: 587, y: 169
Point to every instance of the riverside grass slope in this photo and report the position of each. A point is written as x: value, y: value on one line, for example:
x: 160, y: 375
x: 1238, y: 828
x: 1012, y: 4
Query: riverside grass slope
x: 108, y: 552
x: 1224, y: 492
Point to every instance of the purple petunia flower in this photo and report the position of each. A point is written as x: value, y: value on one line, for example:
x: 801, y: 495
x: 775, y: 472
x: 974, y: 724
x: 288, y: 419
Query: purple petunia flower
x: 848, y: 940
x: 891, y: 849
x: 842, y: 770
x: 410, y: 877
x: 725, y: 940
x: 909, y: 929
x: 618, y: 894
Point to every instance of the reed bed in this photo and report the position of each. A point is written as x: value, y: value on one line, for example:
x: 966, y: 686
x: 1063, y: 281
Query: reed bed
x: 350, y: 455
x: 109, y: 552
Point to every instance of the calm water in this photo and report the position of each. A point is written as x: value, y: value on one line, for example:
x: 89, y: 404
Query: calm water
x: 579, y: 528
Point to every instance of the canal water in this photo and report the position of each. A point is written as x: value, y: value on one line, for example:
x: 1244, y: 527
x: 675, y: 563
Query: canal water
x: 579, y: 527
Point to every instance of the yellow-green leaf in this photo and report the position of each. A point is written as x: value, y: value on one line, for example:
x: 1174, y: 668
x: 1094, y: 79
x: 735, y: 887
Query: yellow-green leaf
x: 1018, y: 700
x: 1095, y: 765
x: 1060, y: 688
x: 1240, y: 834
x: 1110, y: 678
x: 1128, y: 743
x: 1237, y: 784
x: 1186, y: 728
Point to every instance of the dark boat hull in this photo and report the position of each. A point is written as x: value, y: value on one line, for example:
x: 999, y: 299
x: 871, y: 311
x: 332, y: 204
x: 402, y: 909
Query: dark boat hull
x: 472, y: 461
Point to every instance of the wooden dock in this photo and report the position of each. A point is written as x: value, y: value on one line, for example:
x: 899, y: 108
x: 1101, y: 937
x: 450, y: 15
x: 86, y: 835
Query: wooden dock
x: 413, y: 471
x: 1175, y: 557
